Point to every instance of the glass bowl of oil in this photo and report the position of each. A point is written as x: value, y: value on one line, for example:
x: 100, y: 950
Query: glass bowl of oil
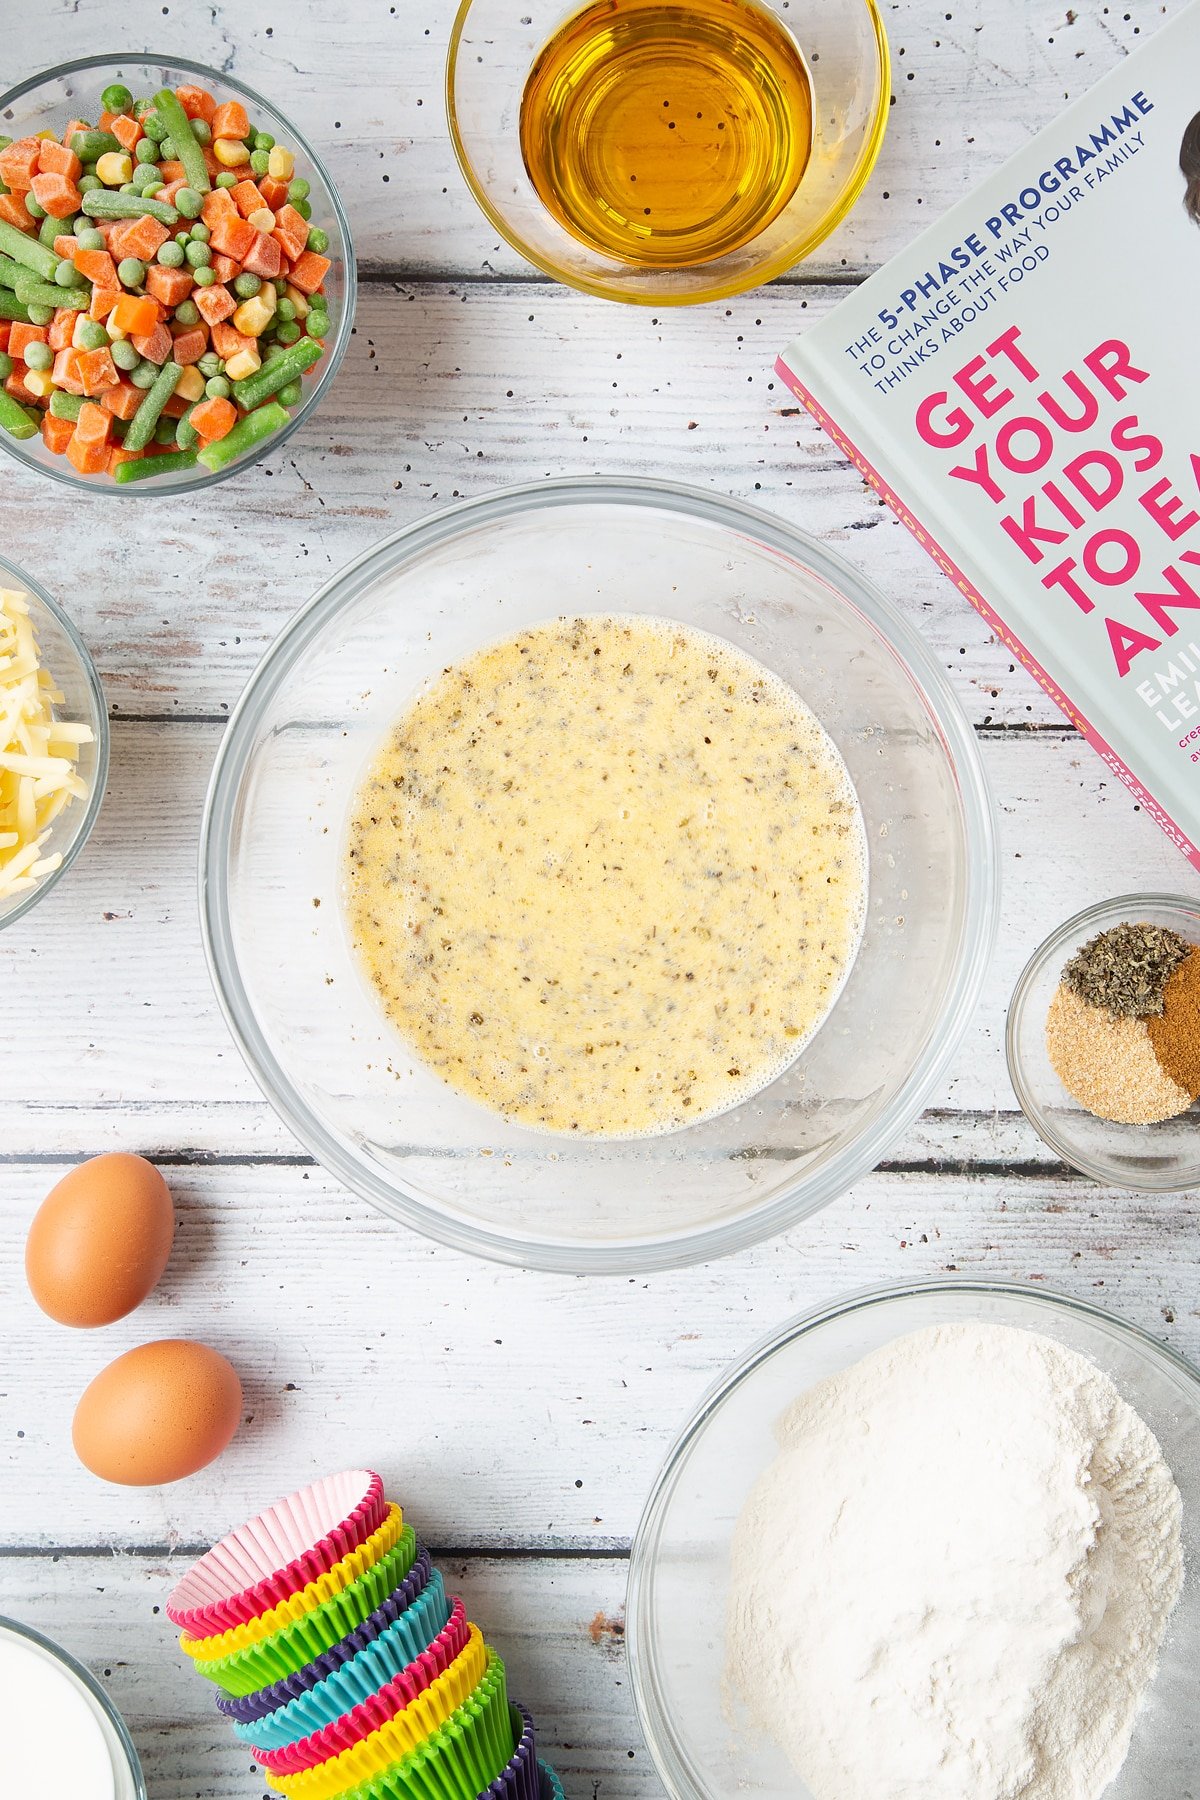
x: 667, y: 152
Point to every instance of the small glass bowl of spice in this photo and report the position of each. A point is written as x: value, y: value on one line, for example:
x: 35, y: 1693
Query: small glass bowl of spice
x: 1104, y: 1042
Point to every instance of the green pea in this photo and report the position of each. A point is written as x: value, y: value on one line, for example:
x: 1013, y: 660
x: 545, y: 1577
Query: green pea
x: 298, y: 190
x: 290, y: 394
x: 170, y: 254
x: 186, y: 313
x: 151, y: 188
x: 116, y: 98
x: 287, y: 332
x: 40, y: 315
x: 217, y: 388
x: 187, y: 203
x: 144, y: 173
x: 6, y: 361
x: 227, y: 178
x: 124, y: 355
x: 285, y: 310
x: 262, y: 140
x: 91, y: 335
x: 318, y: 240
x: 209, y: 363
x: 5, y: 141
x: 245, y: 285
x: 304, y: 208
x: 154, y: 127
x: 141, y: 108
x: 49, y: 229
x: 204, y: 276
x: 67, y: 275
x: 34, y: 207
x: 39, y: 356
x: 146, y: 150
x: 202, y: 131
x: 198, y: 255
x: 318, y: 324
x: 87, y: 184
x: 164, y: 431
x: 90, y: 239
x: 259, y: 161
x: 167, y: 149
x: 145, y: 374
x: 200, y: 232
x: 131, y: 271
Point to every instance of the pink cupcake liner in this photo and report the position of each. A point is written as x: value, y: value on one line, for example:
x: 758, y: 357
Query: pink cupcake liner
x: 277, y: 1554
x: 359, y: 1723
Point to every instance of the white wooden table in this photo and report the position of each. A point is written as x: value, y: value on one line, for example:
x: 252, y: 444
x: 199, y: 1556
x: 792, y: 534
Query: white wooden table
x: 519, y: 1417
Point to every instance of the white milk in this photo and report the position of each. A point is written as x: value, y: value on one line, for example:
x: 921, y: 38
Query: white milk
x: 57, y: 1737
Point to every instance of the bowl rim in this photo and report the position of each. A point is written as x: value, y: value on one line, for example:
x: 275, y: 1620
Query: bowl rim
x: 1100, y: 914
x: 651, y: 1708
x: 87, y: 1680
x: 196, y: 483
x: 665, y: 1250
x: 95, y: 799
x: 605, y: 289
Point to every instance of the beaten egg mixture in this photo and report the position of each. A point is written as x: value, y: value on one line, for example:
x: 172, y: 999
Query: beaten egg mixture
x: 606, y: 876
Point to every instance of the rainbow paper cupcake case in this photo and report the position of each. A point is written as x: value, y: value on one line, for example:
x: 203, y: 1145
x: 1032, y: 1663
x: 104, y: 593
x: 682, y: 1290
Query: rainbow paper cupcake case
x: 345, y: 1667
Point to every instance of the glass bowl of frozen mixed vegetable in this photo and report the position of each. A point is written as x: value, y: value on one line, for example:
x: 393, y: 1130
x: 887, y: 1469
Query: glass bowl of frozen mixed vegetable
x: 177, y: 281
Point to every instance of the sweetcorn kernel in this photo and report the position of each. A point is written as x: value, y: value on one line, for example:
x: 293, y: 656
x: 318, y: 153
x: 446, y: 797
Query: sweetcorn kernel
x: 190, y: 385
x: 244, y: 363
x: 262, y: 219
x: 231, y: 153
x: 298, y: 300
x: 281, y: 164
x: 114, y: 167
x: 39, y: 382
x: 253, y: 316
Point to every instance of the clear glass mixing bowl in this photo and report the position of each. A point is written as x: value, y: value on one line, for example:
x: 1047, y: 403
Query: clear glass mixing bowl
x: 271, y: 875
x: 679, y: 1571
x: 128, y: 1782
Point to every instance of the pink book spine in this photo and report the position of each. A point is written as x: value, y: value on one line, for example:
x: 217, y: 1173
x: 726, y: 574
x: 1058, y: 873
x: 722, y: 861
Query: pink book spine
x: 967, y: 588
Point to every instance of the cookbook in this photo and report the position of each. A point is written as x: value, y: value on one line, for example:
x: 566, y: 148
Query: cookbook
x: 1022, y: 387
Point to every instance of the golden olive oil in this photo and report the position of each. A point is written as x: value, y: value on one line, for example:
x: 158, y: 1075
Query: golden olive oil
x: 667, y: 134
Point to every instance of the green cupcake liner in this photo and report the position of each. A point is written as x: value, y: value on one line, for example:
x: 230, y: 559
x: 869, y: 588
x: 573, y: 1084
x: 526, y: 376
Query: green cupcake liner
x: 301, y: 1641
x: 462, y: 1758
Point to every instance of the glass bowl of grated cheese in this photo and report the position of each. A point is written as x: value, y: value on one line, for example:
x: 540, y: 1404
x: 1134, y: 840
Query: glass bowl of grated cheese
x: 53, y: 743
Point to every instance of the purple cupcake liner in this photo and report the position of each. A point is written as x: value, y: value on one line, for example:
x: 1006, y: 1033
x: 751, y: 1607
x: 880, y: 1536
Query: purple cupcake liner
x: 247, y: 1708
x: 520, y: 1779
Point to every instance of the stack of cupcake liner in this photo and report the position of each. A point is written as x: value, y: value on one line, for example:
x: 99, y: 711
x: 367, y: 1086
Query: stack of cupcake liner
x: 343, y: 1664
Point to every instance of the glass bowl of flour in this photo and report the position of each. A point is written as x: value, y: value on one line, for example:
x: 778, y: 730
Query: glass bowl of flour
x: 928, y: 1540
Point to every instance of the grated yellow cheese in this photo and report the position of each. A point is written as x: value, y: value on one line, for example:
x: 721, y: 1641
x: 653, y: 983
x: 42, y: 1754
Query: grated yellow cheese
x: 38, y: 753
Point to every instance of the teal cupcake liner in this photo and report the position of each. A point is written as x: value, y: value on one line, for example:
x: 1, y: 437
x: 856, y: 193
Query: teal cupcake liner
x: 304, y: 1639
x: 552, y: 1787
x: 462, y: 1758
x: 358, y: 1679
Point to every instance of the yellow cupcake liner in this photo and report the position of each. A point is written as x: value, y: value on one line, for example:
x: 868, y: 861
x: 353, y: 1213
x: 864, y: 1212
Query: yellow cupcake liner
x: 406, y: 1731
x: 462, y: 1758
x: 335, y: 1581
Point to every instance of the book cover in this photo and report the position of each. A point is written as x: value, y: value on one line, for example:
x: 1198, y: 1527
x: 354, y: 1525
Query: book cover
x: 1022, y: 386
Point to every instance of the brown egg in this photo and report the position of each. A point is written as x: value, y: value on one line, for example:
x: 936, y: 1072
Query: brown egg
x: 100, y: 1240
x: 158, y: 1413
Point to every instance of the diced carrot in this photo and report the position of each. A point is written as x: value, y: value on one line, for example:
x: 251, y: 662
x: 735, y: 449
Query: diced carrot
x: 127, y: 131
x: 225, y: 268
x: 12, y: 211
x: 230, y: 121
x: 135, y: 314
x: 190, y: 345
x: 247, y: 198
x: 22, y: 335
x: 65, y: 373
x: 214, y: 419
x: 65, y: 248
x: 170, y: 171
x: 142, y: 237
x: 89, y: 459
x: 5, y: 328
x: 213, y: 303
x: 94, y: 424
x: 62, y: 328
x: 97, y: 370
x: 19, y: 164
x: 56, y: 159
x: 264, y: 257
x: 196, y: 102
x: 309, y: 271
x: 56, y: 433
x: 274, y: 192
x: 232, y: 235
x: 219, y: 204
x: 57, y: 195
x: 227, y: 342
x: 119, y: 454
x: 123, y: 400
x: 106, y: 119
x: 98, y: 266
x: 170, y: 285
x: 176, y: 406
x: 103, y: 301
x: 154, y: 345
x: 291, y: 230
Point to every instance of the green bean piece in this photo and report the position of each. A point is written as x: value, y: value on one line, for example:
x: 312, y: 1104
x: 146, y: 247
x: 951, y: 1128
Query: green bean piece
x: 64, y: 405
x: 187, y: 150
x: 6, y: 367
x: 40, y: 315
x: 90, y: 146
x: 124, y: 355
x: 9, y: 270
x: 39, y: 356
x: 141, y: 426
x: 186, y: 435
x: 116, y: 98
x: 146, y: 467
x: 202, y: 131
x: 104, y: 204
x: 276, y: 374
x: 40, y: 293
x: 49, y: 229
x: 251, y: 430
x: 14, y: 418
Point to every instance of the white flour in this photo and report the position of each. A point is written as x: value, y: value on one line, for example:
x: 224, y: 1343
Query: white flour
x: 953, y: 1582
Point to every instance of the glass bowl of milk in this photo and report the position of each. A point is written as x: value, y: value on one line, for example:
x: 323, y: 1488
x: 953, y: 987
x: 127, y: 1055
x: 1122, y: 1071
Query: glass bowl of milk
x: 65, y: 1735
